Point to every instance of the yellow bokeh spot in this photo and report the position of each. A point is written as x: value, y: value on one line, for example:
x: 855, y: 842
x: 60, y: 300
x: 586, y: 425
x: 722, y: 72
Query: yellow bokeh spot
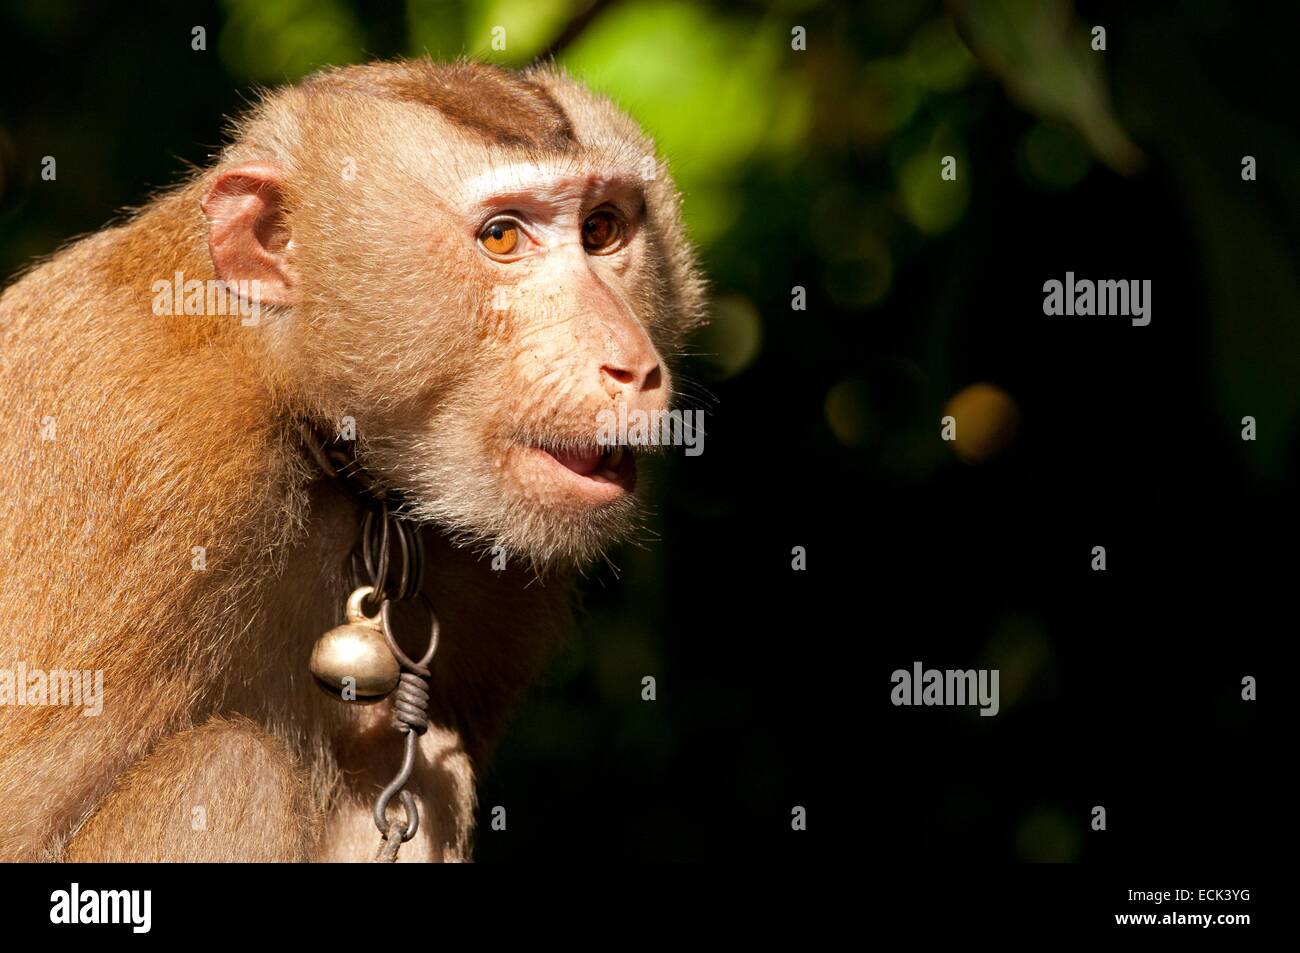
x: 931, y: 203
x: 986, y: 422
x: 848, y: 413
x: 520, y: 29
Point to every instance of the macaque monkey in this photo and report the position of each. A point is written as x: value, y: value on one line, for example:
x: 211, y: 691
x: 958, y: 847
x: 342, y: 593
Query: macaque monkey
x: 466, y: 264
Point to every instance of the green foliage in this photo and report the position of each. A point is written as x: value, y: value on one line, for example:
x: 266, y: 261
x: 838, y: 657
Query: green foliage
x: 716, y: 92
x: 275, y: 42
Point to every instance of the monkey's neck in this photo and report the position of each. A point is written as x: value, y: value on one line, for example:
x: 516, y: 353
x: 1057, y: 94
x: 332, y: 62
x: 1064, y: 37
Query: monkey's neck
x: 496, y: 630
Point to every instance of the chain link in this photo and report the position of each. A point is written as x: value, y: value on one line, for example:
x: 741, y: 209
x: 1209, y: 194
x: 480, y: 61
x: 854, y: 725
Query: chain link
x: 394, y: 577
x: 398, y: 580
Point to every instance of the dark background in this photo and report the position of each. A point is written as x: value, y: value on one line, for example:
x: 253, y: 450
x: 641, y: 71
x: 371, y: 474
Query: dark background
x: 820, y: 169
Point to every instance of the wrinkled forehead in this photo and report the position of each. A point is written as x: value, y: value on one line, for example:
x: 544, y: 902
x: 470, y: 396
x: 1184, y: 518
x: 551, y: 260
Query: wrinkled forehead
x: 469, y: 171
x: 570, y: 178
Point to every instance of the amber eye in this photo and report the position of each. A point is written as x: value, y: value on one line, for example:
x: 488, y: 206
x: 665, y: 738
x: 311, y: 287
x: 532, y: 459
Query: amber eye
x: 500, y: 237
x: 601, y: 231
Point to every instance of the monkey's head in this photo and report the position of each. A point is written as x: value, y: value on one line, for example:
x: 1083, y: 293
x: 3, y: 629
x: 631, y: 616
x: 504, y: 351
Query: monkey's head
x: 479, y: 268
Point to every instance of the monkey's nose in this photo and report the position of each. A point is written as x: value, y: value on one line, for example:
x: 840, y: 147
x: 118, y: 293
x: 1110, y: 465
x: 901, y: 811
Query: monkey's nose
x: 632, y: 377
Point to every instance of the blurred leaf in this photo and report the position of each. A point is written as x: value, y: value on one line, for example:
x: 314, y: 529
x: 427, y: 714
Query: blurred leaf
x: 1044, y: 57
x: 273, y: 42
x: 708, y: 87
x: 887, y: 98
x: 1245, y: 230
x: 529, y: 25
x: 936, y: 57
x: 435, y: 28
x: 1251, y: 277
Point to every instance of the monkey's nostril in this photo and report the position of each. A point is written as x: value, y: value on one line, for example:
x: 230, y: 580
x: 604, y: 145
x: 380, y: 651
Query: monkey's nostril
x: 645, y: 380
x: 619, y: 374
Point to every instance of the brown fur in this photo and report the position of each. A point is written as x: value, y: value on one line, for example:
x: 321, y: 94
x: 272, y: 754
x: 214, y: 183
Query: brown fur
x: 175, y: 432
x: 501, y: 107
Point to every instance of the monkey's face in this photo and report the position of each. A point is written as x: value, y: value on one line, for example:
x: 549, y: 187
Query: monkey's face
x: 547, y: 341
x: 487, y: 313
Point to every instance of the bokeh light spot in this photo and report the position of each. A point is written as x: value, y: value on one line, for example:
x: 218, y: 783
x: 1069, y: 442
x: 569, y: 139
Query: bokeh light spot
x: 1048, y: 836
x: 529, y: 26
x: 987, y: 421
x: 931, y: 203
x: 936, y: 57
x: 864, y: 278
x: 1052, y: 157
x: 732, y: 339
x: 887, y: 98
x: 848, y: 413
x: 1020, y: 651
x: 274, y: 42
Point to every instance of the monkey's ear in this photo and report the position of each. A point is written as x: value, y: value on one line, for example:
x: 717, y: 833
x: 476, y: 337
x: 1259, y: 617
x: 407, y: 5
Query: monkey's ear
x: 248, y: 237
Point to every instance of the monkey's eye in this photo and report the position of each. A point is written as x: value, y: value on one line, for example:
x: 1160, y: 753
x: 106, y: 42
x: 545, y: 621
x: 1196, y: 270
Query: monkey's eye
x: 602, y: 231
x: 500, y: 237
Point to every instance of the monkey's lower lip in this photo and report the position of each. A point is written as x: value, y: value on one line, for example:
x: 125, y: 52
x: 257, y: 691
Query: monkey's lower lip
x: 598, y: 473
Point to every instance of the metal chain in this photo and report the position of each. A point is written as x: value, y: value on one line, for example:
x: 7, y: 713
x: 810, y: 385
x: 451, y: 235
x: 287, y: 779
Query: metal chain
x: 411, y: 718
x: 398, y: 580
x: 392, y: 580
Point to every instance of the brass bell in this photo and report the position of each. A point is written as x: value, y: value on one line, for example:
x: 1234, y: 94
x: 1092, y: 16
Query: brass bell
x: 355, y: 656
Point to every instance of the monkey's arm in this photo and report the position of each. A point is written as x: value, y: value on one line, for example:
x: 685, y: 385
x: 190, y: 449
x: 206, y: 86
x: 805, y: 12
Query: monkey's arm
x: 223, y: 791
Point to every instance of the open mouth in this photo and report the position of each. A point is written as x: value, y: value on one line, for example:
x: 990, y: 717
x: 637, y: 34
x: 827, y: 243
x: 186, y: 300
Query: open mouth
x: 595, y: 472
